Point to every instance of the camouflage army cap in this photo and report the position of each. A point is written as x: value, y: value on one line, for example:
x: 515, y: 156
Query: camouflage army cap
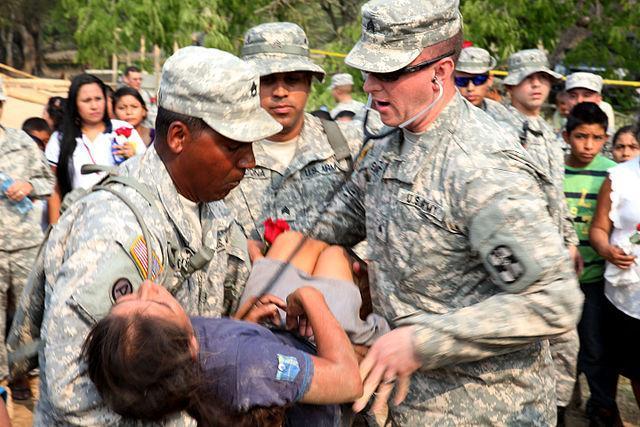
x: 341, y: 79
x: 475, y: 60
x: 394, y: 32
x: 526, y: 62
x: 279, y: 47
x: 584, y: 80
x: 3, y: 97
x: 220, y: 89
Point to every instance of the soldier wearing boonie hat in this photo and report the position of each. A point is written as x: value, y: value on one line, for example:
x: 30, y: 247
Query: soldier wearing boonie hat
x: 448, y: 205
x: 299, y: 167
x: 587, y: 87
x: 341, y: 88
x: 209, y: 112
x: 474, y: 81
x: 529, y: 83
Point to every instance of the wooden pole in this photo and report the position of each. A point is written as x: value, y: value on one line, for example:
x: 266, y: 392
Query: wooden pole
x: 114, y: 68
x: 156, y: 64
x: 143, y: 52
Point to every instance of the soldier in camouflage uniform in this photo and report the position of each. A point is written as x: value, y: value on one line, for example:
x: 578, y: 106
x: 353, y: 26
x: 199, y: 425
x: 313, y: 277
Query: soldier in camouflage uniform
x: 529, y: 82
x: 209, y: 112
x: 299, y: 168
x: 20, y: 233
x: 466, y: 261
x: 476, y: 63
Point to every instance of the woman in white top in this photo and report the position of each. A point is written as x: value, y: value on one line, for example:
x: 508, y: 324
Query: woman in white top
x: 87, y: 136
x: 615, y: 235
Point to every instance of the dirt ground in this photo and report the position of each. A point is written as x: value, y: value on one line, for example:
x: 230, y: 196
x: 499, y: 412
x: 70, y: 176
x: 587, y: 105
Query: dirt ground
x: 15, y: 112
x: 23, y: 411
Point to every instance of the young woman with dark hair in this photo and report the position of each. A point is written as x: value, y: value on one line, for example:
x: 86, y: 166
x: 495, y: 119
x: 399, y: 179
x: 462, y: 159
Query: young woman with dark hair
x: 54, y: 112
x: 87, y: 136
x: 129, y: 106
x: 148, y: 359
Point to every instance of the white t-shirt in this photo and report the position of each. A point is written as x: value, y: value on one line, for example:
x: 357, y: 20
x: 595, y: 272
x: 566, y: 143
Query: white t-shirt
x: 87, y: 152
x: 283, y: 151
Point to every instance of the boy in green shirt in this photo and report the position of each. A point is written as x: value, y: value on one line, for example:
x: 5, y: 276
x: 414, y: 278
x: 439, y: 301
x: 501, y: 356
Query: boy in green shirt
x: 585, y: 171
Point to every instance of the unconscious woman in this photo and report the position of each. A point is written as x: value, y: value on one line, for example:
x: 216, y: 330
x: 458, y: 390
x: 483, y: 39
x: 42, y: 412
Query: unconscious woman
x: 148, y: 359
x: 131, y: 108
x: 87, y: 136
x: 615, y: 235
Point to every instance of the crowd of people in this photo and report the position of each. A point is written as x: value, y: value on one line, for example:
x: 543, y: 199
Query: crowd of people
x: 443, y: 255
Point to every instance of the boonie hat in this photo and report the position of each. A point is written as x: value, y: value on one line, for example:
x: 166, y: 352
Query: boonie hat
x: 341, y: 79
x: 219, y: 88
x: 526, y: 62
x: 3, y: 97
x: 475, y: 60
x: 584, y: 80
x: 279, y: 47
x: 394, y: 32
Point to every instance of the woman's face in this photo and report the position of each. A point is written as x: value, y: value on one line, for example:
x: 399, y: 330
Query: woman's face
x: 91, y: 104
x: 152, y: 300
x: 129, y: 109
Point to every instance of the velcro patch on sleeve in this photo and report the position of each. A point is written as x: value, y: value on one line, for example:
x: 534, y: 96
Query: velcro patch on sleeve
x: 138, y: 251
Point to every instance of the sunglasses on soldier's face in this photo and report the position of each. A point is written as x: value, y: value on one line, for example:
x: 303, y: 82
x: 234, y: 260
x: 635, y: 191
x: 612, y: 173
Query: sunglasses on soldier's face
x: 477, y: 80
x: 395, y: 75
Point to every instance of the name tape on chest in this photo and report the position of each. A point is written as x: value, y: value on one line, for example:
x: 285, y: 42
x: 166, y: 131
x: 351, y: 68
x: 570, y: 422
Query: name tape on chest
x: 325, y: 168
x: 424, y: 205
x: 256, y: 173
x: 138, y: 251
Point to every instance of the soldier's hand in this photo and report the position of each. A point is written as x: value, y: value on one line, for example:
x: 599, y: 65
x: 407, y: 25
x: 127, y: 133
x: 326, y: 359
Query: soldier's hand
x: 576, y: 259
x: 18, y: 190
x: 389, y: 364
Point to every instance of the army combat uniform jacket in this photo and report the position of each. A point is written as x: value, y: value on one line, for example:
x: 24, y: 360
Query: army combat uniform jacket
x: 21, y: 159
x: 95, y: 254
x: 298, y: 192
x: 462, y: 246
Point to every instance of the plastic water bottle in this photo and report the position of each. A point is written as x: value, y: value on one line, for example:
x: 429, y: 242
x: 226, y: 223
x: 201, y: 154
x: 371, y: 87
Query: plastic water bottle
x: 24, y: 205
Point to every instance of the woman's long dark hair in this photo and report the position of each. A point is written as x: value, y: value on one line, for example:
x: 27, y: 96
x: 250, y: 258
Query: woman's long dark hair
x: 72, y: 129
x: 55, y: 109
x: 144, y: 369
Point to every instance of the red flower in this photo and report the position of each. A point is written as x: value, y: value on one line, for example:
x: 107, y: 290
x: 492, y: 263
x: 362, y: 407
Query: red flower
x: 638, y: 227
x: 272, y: 229
x: 126, y: 132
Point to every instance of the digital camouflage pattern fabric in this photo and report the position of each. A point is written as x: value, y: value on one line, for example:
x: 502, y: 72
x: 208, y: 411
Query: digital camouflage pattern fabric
x: 20, y: 234
x: 90, y: 259
x: 449, y: 229
x: 475, y: 60
x: 298, y: 192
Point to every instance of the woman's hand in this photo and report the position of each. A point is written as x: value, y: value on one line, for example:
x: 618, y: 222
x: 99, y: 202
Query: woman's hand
x: 261, y: 310
x: 615, y: 255
x: 296, y: 316
x: 126, y: 150
x: 18, y: 190
x: 255, y: 249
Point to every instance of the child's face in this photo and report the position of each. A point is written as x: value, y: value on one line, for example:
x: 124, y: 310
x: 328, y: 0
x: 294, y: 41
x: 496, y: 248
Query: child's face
x: 586, y: 141
x: 152, y: 300
x: 625, y: 148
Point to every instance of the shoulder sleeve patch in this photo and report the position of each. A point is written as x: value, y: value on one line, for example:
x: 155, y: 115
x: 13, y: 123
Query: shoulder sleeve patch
x: 138, y: 251
x: 288, y: 368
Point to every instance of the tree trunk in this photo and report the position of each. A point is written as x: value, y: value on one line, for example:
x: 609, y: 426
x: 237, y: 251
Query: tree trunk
x: 7, y: 38
x: 29, y: 53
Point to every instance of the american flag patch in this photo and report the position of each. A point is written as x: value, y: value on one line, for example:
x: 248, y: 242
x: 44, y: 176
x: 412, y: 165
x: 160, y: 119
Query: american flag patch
x: 138, y: 251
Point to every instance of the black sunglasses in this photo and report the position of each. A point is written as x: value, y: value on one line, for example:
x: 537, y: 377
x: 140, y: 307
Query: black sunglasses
x: 477, y: 80
x: 395, y: 75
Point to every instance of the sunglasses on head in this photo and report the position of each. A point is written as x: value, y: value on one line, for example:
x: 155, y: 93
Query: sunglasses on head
x: 477, y: 80
x: 395, y: 75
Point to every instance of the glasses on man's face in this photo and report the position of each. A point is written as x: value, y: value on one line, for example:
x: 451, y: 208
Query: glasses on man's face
x: 478, y: 80
x: 395, y: 75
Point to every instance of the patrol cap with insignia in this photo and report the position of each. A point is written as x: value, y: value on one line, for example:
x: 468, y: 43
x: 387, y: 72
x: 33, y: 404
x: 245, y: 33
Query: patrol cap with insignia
x: 219, y: 88
x: 279, y: 47
x: 394, y: 32
x: 3, y: 97
x: 526, y: 62
x: 341, y: 79
x: 584, y: 80
x: 475, y: 60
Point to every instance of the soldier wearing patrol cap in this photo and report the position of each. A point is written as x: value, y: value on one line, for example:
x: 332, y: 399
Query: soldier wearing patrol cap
x: 529, y: 83
x: 341, y: 88
x: 474, y: 80
x: 209, y: 113
x: 297, y: 169
x: 466, y: 261
x: 587, y: 87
